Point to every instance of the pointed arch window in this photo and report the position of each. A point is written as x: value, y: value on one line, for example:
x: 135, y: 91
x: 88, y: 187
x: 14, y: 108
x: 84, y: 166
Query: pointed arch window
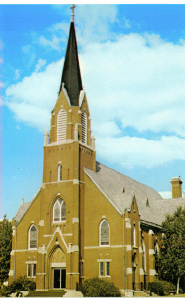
x: 59, y: 172
x: 104, y: 232
x: 156, y: 260
x: 33, y: 237
x: 61, y: 125
x: 143, y: 256
x: 134, y: 236
x: 59, y: 210
x: 84, y: 127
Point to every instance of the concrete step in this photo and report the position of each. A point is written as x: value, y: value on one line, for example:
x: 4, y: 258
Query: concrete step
x: 49, y: 293
x: 140, y: 294
x: 72, y: 293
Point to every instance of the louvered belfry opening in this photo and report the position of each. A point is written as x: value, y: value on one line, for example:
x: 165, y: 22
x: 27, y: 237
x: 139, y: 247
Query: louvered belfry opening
x: 61, y: 125
x: 84, y: 127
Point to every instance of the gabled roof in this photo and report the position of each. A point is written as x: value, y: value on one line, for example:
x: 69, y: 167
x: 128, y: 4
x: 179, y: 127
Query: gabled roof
x: 21, y: 211
x: 120, y: 190
x: 71, y: 76
x: 24, y: 208
x: 170, y: 205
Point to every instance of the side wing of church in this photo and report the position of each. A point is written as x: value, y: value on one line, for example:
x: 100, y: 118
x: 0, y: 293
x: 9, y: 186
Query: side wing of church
x: 86, y: 219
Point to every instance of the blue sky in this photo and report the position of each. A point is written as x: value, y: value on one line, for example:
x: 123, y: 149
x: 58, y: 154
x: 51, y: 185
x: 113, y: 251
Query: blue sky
x: 132, y: 60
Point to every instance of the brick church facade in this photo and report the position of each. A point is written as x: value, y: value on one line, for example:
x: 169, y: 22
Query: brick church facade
x: 86, y: 219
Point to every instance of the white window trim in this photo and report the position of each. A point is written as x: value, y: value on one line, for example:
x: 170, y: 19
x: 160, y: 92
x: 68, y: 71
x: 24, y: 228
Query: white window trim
x: 28, y: 265
x: 59, y: 172
x: 103, y: 245
x: 34, y: 276
x: 104, y: 262
x: 31, y: 264
x: 54, y: 221
x: 106, y: 269
x: 144, y: 256
x: 32, y: 248
x: 100, y: 269
x: 134, y: 235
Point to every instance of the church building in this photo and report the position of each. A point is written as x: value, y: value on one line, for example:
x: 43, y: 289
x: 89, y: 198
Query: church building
x: 86, y: 219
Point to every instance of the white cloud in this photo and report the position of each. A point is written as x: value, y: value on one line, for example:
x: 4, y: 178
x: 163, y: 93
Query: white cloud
x: 33, y: 99
x: 133, y: 81
x: 133, y: 151
x: 107, y: 129
x: 1, y: 100
x: 97, y: 20
x: 40, y: 65
x: 127, y: 22
x: 139, y: 80
x: 17, y: 74
x: 54, y: 43
x: 166, y: 194
x: 1, y: 84
x: 26, y: 48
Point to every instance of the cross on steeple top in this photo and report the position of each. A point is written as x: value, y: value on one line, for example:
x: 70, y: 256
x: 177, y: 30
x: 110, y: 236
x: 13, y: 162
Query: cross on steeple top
x: 72, y: 12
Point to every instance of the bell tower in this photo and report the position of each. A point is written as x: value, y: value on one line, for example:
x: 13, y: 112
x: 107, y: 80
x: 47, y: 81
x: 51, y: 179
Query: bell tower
x: 70, y: 123
x: 68, y: 148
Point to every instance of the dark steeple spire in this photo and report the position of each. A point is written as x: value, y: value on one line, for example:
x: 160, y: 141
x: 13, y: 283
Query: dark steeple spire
x: 71, y: 76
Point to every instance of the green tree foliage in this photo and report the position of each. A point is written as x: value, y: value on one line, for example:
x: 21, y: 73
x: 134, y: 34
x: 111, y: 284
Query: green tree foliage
x: 96, y: 287
x: 161, y: 287
x: 20, y: 284
x: 5, y: 248
x: 171, y: 259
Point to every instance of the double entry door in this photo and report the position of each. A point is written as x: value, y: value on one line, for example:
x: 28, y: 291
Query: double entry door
x: 59, y: 278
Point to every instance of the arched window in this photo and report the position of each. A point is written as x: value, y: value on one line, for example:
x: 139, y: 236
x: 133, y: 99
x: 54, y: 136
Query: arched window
x: 59, y: 172
x: 143, y: 256
x: 61, y: 125
x: 156, y: 260
x: 134, y: 236
x: 59, y: 210
x: 32, y: 237
x: 84, y: 127
x: 104, y: 232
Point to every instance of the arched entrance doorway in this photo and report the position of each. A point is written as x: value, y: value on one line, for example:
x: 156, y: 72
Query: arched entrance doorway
x: 58, y: 267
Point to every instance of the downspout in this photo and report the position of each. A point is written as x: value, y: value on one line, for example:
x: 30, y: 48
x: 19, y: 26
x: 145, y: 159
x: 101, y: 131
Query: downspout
x: 123, y: 215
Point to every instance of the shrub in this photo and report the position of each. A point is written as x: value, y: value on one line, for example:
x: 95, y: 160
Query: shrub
x: 161, y: 287
x: 20, y: 284
x: 96, y: 287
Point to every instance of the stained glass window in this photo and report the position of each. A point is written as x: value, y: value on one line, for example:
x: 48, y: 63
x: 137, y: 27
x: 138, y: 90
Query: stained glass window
x: 33, y: 237
x: 59, y: 211
x: 104, y: 232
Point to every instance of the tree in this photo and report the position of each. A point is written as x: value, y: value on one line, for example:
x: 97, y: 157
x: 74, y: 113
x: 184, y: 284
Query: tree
x: 5, y: 248
x: 171, y: 259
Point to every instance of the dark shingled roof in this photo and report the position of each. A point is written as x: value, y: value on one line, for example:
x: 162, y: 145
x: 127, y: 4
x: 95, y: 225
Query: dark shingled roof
x: 71, y: 76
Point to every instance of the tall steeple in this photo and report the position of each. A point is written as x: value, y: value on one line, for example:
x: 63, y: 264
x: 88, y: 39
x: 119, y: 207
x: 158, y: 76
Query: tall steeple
x: 71, y: 76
